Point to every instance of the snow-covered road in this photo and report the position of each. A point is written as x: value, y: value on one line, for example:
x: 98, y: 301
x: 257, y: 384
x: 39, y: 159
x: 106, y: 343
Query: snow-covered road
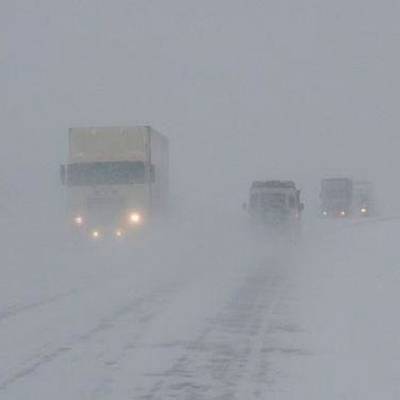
x: 193, y: 315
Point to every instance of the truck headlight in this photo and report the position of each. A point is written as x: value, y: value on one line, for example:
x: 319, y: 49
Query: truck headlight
x: 364, y: 210
x: 119, y: 233
x: 135, y: 218
x: 78, y: 220
x: 343, y: 213
x: 325, y: 213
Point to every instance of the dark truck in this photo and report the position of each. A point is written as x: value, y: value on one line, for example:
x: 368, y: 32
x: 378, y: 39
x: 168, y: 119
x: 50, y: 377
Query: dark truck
x: 336, y: 197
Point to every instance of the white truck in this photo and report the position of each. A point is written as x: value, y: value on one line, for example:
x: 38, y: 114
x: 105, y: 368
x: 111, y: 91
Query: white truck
x: 116, y: 178
x: 275, y: 204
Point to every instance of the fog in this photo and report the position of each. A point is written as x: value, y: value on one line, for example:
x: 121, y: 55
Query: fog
x: 244, y: 90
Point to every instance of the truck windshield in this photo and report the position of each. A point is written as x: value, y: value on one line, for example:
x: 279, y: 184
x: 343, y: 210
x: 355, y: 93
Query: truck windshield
x: 267, y: 201
x: 106, y: 173
x: 273, y: 200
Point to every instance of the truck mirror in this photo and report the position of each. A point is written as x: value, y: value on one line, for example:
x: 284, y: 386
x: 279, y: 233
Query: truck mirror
x: 62, y: 174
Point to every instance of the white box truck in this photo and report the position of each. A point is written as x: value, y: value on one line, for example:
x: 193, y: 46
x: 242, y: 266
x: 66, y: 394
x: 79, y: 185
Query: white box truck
x: 116, y: 178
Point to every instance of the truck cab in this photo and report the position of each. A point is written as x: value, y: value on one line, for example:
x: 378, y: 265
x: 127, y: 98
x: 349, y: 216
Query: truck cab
x: 116, y: 178
x: 275, y: 203
x: 363, y: 199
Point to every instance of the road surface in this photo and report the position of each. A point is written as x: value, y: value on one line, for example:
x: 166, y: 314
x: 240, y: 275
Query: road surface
x: 189, y: 314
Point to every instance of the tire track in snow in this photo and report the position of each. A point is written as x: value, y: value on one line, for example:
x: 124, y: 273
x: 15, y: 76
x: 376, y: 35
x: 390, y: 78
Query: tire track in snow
x: 143, y: 305
x: 16, y: 310
x: 222, y: 356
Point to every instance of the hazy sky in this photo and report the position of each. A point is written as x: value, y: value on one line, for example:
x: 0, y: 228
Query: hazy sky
x: 243, y: 89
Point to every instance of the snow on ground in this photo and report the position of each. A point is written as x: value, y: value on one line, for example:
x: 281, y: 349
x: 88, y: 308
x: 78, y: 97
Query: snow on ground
x: 346, y: 305
x: 203, y: 310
